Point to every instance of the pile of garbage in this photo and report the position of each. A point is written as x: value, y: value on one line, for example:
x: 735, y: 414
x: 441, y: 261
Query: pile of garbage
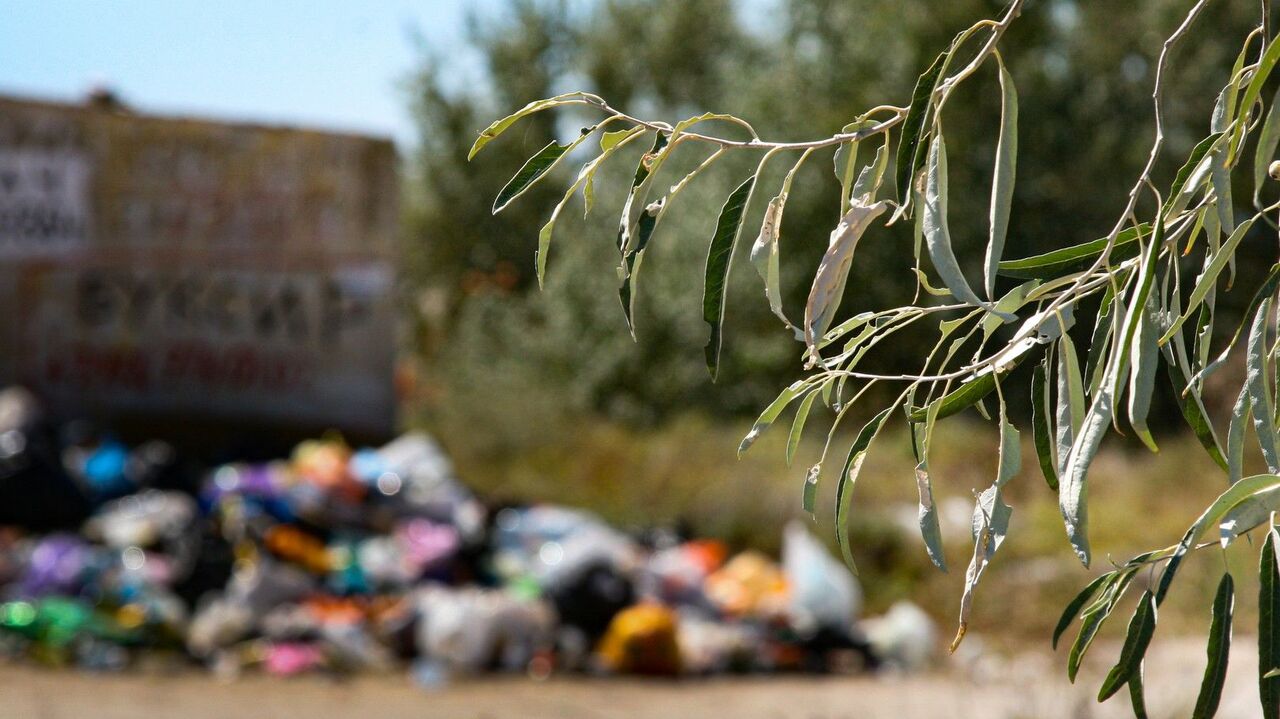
x: 339, y: 559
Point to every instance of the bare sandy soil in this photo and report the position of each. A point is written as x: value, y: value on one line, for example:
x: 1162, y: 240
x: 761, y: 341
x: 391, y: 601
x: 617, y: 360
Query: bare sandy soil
x: 1030, y: 685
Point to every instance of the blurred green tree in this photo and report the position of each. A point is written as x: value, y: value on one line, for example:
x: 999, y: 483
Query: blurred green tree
x: 798, y: 69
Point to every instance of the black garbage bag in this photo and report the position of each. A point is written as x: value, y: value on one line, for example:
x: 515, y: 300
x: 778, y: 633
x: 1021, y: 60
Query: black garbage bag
x: 589, y: 598
x: 36, y: 492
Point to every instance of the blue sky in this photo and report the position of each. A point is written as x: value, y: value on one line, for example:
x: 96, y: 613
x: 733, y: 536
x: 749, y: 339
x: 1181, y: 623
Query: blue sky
x: 327, y: 63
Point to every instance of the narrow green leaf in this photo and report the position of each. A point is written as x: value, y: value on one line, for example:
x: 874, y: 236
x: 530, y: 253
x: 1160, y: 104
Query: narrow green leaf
x: 1142, y: 378
x: 1193, y: 412
x: 770, y: 413
x: 868, y: 182
x: 1265, y: 151
x: 930, y: 531
x: 966, y: 395
x: 638, y: 222
x: 1075, y: 605
x: 937, y: 236
x: 1136, y: 312
x: 809, y: 498
x: 1225, y: 501
x: 1247, y: 514
x: 500, y: 126
x: 913, y: 126
x: 719, y: 259
x: 610, y: 142
x: 1241, y: 414
x: 1073, y: 491
x: 1218, y: 650
x: 1093, y: 619
x: 1052, y: 265
x: 764, y: 253
x: 1265, y: 290
x: 1099, y: 341
x: 849, y: 477
x: 1184, y: 173
x: 1136, y: 698
x: 1070, y: 409
x: 846, y: 162
x: 1142, y: 627
x: 1254, y: 89
x: 1041, y: 431
x: 797, y: 425
x: 532, y: 171
x: 1256, y: 379
x: 1003, y: 180
x: 1269, y: 627
x: 639, y: 192
x: 1209, y: 278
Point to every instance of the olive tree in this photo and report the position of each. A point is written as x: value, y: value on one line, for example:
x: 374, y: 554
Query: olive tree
x: 1145, y: 290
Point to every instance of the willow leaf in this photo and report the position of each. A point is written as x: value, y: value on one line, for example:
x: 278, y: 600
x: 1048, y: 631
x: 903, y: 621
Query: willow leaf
x: 1073, y: 490
x: 921, y: 434
x: 1256, y: 379
x: 1265, y: 151
x: 1218, y: 650
x: 764, y: 253
x: 833, y: 271
x: 610, y: 142
x: 1268, y: 627
x: 937, y: 236
x: 1254, y: 89
x: 534, y: 169
x: 1179, y: 191
x: 1194, y: 413
x: 1241, y: 414
x: 1265, y: 290
x: 1073, y: 608
x: 1005, y: 171
x: 797, y: 425
x: 1094, y: 617
x: 1247, y: 514
x: 913, y: 126
x: 770, y: 413
x: 719, y: 260
x: 1136, y: 695
x: 990, y: 520
x: 1209, y: 278
x: 849, y: 477
x: 1052, y: 265
x: 500, y: 126
x: 1041, y: 429
x: 1142, y: 627
x: 1142, y: 378
x: 1214, y: 512
x: 1070, y: 409
x: 809, y: 498
x: 961, y: 398
x: 1099, y: 342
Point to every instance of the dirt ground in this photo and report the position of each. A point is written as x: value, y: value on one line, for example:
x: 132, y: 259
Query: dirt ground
x: 1030, y: 685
